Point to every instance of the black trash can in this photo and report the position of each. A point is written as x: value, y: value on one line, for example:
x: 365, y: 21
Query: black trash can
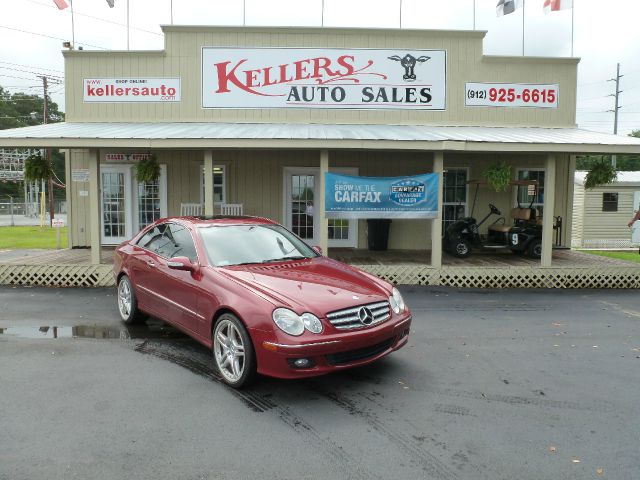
x: 378, y: 233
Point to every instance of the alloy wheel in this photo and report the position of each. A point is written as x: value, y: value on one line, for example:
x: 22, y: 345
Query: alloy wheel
x: 124, y: 298
x: 228, y: 349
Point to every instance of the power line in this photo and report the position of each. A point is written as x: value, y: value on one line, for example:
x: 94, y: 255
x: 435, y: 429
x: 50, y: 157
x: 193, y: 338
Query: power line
x: 13, y: 76
x: 101, y: 19
x: 48, y: 36
x: 31, y: 66
x: 27, y: 71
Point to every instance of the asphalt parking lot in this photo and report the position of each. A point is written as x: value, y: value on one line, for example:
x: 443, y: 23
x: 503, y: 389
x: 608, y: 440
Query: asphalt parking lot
x: 492, y: 385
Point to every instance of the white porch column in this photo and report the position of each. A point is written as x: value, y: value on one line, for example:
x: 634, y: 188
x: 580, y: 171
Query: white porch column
x: 324, y: 224
x: 436, y: 224
x: 94, y: 205
x: 208, y: 182
x: 68, y: 196
x: 549, y: 209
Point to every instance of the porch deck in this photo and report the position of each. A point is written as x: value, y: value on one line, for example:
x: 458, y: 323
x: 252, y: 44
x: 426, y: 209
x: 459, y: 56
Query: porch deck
x: 500, y: 269
x: 497, y: 259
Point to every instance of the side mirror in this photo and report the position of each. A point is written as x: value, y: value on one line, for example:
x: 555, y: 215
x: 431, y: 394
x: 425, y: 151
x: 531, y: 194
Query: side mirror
x: 181, y: 263
x: 317, y: 249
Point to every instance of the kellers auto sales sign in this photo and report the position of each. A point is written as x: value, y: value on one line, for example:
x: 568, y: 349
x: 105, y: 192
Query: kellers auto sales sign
x: 323, y: 78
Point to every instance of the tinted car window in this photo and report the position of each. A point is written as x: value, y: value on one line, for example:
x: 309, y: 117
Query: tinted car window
x: 182, y: 242
x: 154, y: 234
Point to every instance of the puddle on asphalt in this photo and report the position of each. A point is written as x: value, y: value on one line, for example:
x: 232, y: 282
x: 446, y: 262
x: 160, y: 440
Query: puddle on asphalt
x: 151, y: 329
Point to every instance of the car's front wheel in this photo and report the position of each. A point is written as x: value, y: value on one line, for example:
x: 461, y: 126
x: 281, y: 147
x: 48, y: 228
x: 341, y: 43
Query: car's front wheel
x: 127, y: 302
x: 233, y: 352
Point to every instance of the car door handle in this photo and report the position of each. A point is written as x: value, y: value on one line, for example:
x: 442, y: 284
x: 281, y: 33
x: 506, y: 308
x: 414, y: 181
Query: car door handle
x: 151, y: 264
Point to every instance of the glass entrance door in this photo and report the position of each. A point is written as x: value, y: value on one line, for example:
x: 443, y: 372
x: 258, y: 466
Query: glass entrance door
x: 116, y: 211
x: 301, y: 216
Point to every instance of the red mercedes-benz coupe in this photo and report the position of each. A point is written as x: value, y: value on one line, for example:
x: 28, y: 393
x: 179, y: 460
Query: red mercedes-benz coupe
x: 259, y: 297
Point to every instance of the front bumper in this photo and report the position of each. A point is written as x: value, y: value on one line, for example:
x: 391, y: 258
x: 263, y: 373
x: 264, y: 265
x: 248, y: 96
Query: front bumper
x: 330, y: 352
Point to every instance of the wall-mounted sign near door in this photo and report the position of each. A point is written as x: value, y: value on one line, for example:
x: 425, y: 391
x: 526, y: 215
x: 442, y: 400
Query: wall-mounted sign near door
x: 126, y: 157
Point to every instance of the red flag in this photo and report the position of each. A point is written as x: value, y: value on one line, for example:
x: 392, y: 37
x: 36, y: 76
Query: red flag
x: 61, y: 4
x: 555, y: 5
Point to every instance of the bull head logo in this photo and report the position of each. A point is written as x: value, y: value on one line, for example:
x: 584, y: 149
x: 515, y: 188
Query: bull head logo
x: 409, y: 64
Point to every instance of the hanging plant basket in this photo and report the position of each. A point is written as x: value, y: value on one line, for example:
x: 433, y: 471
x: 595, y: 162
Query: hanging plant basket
x: 498, y: 176
x: 148, y: 170
x: 37, y: 168
x: 601, y: 173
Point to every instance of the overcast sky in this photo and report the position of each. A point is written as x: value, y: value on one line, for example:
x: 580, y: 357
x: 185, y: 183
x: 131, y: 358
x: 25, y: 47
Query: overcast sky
x: 605, y: 33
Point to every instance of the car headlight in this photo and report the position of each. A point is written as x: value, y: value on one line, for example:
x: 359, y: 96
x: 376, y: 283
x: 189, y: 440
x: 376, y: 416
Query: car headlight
x: 396, y: 301
x: 288, y: 321
x: 311, y: 322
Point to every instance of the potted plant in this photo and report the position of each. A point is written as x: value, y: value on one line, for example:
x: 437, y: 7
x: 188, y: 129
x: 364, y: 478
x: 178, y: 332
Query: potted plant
x: 498, y: 176
x: 148, y: 170
x: 600, y: 173
x: 37, y: 168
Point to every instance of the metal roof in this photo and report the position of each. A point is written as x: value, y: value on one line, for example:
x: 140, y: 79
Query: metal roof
x: 289, y: 135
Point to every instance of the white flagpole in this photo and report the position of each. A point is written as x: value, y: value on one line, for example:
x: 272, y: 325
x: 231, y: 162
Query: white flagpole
x: 322, y: 16
x: 127, y: 24
x: 573, y: 9
x: 73, y: 30
x: 474, y: 14
x: 244, y: 12
x: 523, y: 8
x: 171, y: 7
x: 400, y: 13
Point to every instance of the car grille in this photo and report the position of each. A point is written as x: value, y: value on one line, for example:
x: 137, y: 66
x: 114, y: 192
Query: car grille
x: 350, y: 318
x: 359, y: 354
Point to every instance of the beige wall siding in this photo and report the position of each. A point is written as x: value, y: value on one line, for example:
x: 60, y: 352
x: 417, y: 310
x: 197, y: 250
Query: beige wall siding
x: 599, y: 225
x: 578, y: 216
x: 182, y: 58
x: 80, y: 211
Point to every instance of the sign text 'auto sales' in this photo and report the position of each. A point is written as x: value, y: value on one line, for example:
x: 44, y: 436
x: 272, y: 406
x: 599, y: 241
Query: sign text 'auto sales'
x: 323, y: 78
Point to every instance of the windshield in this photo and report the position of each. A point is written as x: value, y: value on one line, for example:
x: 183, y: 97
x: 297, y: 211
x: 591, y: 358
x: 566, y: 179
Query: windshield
x: 245, y: 244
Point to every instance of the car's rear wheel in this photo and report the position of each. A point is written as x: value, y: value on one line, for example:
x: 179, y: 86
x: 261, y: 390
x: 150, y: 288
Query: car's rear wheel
x: 233, y: 352
x: 127, y: 302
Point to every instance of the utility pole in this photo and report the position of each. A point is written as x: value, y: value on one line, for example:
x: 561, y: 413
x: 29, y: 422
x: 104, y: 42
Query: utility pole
x: 45, y: 86
x: 616, y: 108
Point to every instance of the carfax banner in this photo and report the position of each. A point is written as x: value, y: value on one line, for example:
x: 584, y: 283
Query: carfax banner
x: 323, y: 78
x: 347, y: 196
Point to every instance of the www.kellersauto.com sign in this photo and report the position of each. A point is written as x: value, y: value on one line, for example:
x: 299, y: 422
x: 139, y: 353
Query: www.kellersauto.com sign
x: 323, y: 78
x: 123, y: 90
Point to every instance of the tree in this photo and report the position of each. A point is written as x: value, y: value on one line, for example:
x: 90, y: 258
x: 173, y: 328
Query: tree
x: 624, y: 163
x: 22, y: 110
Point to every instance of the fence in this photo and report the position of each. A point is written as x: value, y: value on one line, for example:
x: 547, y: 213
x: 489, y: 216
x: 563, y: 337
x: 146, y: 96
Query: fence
x: 30, y: 209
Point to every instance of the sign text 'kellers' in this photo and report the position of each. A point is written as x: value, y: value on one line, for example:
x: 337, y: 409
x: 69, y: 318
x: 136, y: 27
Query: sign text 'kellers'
x: 131, y: 90
x: 323, y: 78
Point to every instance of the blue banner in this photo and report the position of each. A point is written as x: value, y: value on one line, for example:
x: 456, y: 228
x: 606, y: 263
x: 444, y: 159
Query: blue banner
x: 415, y: 196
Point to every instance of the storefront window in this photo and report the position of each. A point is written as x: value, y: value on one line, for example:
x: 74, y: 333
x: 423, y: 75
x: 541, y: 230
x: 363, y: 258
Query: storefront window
x: 148, y: 203
x: 525, y: 192
x: 454, y: 192
x: 219, y: 185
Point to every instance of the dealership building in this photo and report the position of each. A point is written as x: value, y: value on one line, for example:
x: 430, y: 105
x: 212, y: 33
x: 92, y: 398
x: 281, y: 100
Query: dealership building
x: 249, y: 119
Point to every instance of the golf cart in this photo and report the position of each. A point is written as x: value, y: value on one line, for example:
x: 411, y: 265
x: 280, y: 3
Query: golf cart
x: 523, y: 237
